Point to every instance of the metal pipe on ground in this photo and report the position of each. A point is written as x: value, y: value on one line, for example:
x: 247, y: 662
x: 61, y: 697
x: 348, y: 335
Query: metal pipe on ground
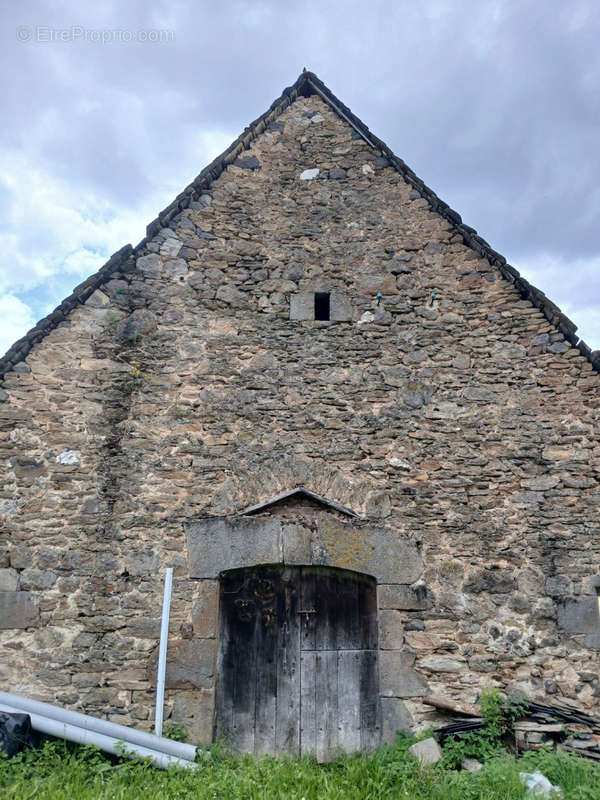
x: 109, y: 744
x: 100, y: 726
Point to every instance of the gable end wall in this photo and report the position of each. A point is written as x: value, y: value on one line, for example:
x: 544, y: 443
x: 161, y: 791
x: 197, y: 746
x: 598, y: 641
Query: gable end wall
x: 449, y: 413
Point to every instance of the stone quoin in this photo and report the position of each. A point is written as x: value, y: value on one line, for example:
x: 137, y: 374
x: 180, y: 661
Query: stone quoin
x: 368, y: 447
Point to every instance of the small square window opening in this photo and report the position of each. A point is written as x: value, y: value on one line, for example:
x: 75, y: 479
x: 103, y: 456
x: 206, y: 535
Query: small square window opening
x: 322, y: 306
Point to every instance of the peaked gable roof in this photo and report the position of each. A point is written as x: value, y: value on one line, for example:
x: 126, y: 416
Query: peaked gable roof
x: 301, y: 492
x: 306, y: 85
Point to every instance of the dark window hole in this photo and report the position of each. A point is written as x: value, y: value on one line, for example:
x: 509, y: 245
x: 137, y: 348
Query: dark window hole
x: 322, y: 305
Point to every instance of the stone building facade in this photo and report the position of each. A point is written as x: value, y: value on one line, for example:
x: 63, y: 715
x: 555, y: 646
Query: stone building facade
x: 308, y: 316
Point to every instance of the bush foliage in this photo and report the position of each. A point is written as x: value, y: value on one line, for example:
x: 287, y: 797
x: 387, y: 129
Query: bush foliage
x: 499, y: 714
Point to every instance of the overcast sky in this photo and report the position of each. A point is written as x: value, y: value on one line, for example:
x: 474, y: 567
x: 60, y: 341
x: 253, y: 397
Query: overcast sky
x: 110, y: 109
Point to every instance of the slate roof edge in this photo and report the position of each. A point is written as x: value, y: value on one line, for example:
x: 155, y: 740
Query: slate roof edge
x: 306, y: 84
x: 19, y: 350
x: 470, y: 237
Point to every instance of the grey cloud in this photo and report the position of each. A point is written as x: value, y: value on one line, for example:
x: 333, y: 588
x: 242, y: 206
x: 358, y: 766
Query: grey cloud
x: 494, y: 105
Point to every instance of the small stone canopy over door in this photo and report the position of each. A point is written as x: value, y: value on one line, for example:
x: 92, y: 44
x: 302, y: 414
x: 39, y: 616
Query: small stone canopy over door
x: 297, y: 670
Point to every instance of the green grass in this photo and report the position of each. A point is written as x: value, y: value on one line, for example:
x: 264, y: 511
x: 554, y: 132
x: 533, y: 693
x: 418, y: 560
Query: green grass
x: 59, y: 770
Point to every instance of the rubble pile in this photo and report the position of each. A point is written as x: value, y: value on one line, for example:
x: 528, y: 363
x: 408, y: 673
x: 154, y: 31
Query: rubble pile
x: 561, y: 726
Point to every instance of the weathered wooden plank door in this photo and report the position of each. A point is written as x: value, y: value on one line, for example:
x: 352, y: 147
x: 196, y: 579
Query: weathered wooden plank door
x: 297, y: 670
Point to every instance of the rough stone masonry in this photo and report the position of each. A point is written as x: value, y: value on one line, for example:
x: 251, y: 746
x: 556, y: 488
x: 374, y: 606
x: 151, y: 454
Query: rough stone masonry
x: 189, y: 380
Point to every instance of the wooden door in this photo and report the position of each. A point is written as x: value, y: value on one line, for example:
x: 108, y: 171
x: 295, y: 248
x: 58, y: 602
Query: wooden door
x: 297, y: 668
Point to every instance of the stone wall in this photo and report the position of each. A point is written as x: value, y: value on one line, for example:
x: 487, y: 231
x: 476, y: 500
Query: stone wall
x: 448, y: 412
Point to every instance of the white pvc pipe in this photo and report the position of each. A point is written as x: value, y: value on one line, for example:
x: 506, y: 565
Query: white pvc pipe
x: 162, y: 653
x: 110, y: 744
x: 99, y: 726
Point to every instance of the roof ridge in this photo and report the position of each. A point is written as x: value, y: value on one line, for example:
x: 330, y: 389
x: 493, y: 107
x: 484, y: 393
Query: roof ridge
x: 306, y: 84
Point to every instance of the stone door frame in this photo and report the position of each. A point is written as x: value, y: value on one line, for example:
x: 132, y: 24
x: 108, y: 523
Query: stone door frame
x: 218, y: 544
